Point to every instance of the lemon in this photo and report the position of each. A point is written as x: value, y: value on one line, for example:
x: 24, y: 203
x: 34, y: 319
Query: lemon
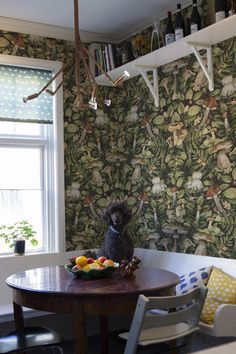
x: 81, y: 261
x: 94, y: 266
x: 86, y: 268
x: 98, y: 262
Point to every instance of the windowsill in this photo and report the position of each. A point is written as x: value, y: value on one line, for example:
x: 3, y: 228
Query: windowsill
x: 27, y: 254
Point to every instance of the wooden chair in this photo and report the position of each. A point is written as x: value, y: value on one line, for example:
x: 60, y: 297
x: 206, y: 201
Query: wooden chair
x: 30, y: 338
x: 179, y: 318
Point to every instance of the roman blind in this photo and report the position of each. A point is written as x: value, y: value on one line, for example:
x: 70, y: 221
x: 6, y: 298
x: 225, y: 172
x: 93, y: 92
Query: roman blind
x: 18, y: 82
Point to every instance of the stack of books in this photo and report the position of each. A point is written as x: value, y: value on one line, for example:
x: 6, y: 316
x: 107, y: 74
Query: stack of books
x: 106, y: 55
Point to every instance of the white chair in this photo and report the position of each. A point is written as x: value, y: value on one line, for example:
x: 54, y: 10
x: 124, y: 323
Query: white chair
x: 180, y: 318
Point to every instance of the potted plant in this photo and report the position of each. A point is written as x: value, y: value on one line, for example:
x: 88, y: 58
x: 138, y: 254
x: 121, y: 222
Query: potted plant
x: 16, y: 234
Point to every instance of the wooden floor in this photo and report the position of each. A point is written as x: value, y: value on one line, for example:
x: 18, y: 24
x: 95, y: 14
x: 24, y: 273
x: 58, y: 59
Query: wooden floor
x: 117, y: 345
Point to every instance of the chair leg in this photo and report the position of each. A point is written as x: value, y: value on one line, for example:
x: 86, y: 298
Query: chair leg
x: 58, y: 349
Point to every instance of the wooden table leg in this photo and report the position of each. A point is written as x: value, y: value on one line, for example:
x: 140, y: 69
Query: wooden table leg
x: 18, y: 316
x: 79, y: 329
x: 104, y: 334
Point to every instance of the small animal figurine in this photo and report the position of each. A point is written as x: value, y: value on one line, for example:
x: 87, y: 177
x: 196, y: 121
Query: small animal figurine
x: 127, y: 268
x: 117, y: 244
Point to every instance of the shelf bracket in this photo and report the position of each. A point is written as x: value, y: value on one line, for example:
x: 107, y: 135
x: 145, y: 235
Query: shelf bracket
x: 153, y: 87
x: 208, y: 70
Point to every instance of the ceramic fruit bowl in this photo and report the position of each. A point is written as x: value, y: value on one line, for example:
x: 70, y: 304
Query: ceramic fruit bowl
x: 91, y: 273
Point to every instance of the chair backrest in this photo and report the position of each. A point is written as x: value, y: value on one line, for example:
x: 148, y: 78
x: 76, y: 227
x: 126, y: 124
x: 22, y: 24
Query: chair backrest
x: 169, y: 311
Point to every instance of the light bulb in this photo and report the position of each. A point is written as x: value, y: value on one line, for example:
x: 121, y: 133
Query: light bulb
x: 31, y: 97
x: 121, y: 78
x: 107, y: 102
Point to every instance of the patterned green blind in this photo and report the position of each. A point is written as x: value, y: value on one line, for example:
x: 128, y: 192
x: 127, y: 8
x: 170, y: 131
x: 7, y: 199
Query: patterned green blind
x: 18, y: 82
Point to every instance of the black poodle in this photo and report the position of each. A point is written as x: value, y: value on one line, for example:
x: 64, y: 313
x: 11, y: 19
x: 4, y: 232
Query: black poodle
x: 117, y: 244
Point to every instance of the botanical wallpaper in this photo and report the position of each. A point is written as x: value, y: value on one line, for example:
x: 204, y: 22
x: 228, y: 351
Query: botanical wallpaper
x: 174, y: 165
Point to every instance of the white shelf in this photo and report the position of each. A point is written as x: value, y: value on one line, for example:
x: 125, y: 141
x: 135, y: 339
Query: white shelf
x: 210, y: 35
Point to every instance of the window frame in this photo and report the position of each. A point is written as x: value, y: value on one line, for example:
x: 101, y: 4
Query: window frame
x: 55, y: 221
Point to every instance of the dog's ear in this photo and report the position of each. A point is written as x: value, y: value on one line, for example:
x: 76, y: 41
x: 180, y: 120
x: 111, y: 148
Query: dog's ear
x: 127, y: 215
x: 106, y: 215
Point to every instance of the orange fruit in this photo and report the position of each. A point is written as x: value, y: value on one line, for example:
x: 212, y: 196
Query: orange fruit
x: 81, y: 261
x: 109, y: 263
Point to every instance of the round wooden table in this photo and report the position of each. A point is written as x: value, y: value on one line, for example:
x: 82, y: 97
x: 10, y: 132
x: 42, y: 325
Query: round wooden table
x: 52, y: 289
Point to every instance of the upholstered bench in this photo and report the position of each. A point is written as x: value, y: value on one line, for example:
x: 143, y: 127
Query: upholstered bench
x: 224, y: 317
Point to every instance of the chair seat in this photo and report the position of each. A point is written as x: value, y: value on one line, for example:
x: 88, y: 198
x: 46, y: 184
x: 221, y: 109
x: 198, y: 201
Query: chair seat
x: 29, y: 337
x: 160, y: 334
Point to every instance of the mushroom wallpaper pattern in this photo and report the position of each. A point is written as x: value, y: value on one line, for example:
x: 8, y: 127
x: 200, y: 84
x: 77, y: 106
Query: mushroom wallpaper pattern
x: 174, y: 165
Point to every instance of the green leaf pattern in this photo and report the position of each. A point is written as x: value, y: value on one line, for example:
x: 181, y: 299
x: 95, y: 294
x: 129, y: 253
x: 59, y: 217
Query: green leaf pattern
x: 174, y: 165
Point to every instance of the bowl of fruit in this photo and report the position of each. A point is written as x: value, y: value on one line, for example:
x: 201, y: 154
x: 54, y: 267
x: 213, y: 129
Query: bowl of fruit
x: 89, y: 268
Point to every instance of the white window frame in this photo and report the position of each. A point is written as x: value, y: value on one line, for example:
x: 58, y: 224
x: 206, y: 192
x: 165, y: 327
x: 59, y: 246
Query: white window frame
x: 56, y: 203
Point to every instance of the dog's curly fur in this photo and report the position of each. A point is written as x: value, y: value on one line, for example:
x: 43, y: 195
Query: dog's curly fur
x: 117, y: 244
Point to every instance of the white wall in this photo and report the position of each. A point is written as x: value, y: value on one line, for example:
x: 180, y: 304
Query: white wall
x: 181, y: 263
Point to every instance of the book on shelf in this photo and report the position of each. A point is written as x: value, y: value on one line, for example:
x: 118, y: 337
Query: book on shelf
x: 106, y: 55
x: 94, y: 51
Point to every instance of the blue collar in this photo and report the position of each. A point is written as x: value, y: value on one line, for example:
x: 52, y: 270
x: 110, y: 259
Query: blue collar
x: 114, y: 230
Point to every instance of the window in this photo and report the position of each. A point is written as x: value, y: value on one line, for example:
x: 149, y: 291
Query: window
x: 31, y: 152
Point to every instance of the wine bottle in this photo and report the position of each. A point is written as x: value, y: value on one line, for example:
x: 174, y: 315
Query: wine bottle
x: 231, y: 7
x: 179, y: 24
x: 188, y: 26
x: 195, y: 24
x: 220, y: 8
x: 170, y: 33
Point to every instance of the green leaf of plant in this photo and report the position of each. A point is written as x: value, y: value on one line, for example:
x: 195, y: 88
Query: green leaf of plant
x: 194, y: 110
x: 180, y: 108
x: 230, y: 193
x: 176, y: 117
x: 234, y: 173
x: 159, y: 120
x: 189, y: 94
x: 72, y: 128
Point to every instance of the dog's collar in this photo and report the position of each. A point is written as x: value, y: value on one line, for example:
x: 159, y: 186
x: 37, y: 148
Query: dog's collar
x: 114, y: 230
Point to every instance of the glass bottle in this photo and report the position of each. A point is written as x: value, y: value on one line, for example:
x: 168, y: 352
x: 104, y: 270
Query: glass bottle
x: 179, y: 24
x: 220, y: 8
x: 231, y: 6
x: 195, y: 22
x: 170, y: 33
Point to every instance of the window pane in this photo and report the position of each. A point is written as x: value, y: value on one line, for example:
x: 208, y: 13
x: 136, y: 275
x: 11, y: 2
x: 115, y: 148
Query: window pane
x: 18, y: 82
x: 18, y: 205
x: 20, y: 168
x: 12, y: 128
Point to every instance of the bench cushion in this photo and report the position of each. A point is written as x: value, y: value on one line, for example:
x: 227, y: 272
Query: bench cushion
x: 221, y: 290
x: 193, y: 279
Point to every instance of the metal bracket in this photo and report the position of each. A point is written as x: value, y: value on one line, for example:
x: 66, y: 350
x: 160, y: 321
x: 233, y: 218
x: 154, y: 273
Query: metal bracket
x: 208, y: 71
x: 154, y: 89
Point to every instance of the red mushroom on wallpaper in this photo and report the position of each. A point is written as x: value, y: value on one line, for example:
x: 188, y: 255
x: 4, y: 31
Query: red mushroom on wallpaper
x: 145, y: 123
x: 209, y: 105
x: 212, y: 193
x: 89, y: 201
x: 86, y: 128
x: 174, y: 191
x: 143, y: 199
